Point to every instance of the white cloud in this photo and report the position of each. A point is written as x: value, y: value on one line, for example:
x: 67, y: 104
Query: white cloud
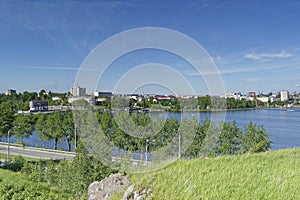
x: 260, y: 56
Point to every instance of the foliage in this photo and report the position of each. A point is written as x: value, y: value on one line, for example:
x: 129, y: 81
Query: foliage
x: 255, y: 139
x: 23, y: 125
x: 17, y: 186
x: 229, y: 139
x: 57, y: 126
x: 6, y: 118
x: 72, y: 177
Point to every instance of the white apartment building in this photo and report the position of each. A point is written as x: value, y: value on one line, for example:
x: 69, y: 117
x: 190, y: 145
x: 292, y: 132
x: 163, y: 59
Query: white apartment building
x: 78, y: 91
x: 284, y: 95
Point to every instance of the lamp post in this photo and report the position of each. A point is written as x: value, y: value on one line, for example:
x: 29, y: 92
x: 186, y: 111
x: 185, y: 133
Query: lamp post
x: 147, y: 146
x: 147, y: 151
x: 179, y: 143
x: 8, y: 143
x: 179, y: 147
x: 75, y: 138
x: 8, y: 153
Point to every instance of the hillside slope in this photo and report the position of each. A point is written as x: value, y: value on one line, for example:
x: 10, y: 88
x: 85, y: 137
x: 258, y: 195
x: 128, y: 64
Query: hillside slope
x: 18, y: 186
x: 270, y: 175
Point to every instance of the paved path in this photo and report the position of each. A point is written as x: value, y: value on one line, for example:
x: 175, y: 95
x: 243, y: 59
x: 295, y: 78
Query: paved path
x: 31, y: 152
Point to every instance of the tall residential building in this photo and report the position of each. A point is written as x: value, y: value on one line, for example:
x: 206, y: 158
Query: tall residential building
x: 77, y: 91
x: 284, y: 95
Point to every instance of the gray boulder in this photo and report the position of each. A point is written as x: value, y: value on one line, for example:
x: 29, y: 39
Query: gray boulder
x: 103, y: 190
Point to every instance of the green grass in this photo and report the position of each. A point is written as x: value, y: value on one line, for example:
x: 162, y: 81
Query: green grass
x: 4, y: 157
x: 17, y: 186
x: 270, y: 175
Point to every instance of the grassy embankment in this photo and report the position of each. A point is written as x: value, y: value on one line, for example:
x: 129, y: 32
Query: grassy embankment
x: 18, y: 186
x: 269, y: 175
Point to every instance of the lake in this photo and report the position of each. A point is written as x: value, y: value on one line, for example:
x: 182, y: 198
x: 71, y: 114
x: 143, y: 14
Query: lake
x: 282, y: 124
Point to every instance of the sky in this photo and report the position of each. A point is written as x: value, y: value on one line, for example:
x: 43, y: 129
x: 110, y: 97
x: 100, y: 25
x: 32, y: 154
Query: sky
x: 254, y: 44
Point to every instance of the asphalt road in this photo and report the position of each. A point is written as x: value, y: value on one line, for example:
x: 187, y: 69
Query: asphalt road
x: 31, y: 152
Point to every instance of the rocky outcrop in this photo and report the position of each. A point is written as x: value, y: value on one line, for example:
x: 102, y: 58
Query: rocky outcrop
x: 104, y: 189
x: 139, y: 194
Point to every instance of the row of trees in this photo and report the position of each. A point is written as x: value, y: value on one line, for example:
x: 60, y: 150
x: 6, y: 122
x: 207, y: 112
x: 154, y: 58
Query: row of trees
x: 58, y: 126
x: 21, y: 101
x: 208, y: 139
x: 204, y: 103
x: 127, y: 131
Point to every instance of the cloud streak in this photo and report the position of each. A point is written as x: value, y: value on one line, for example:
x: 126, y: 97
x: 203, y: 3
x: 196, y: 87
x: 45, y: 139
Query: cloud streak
x: 238, y: 70
x: 65, y: 68
x: 55, y: 68
x: 261, y: 56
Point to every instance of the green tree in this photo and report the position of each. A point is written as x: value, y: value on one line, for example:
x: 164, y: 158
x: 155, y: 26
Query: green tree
x: 68, y: 128
x: 255, y: 139
x: 6, y: 118
x: 54, y: 124
x: 229, y: 139
x: 42, y: 128
x: 23, y: 126
x: 203, y: 141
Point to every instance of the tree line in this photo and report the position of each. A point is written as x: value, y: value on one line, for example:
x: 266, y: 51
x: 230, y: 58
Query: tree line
x: 226, y: 138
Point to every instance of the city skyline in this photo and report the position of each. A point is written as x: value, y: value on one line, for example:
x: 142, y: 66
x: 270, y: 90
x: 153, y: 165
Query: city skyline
x: 254, y: 44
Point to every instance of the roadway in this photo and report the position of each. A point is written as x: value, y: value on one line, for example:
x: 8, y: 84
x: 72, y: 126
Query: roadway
x: 39, y: 153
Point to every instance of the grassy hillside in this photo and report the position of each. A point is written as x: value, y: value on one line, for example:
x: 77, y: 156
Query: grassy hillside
x: 18, y: 186
x: 270, y: 175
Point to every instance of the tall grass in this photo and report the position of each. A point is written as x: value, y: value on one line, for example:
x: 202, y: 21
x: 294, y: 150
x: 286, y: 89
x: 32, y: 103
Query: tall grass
x: 18, y: 186
x: 269, y: 175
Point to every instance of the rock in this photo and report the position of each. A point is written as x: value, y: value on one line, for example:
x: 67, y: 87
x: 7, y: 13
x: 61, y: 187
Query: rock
x: 104, y: 189
x: 139, y: 194
x: 128, y: 193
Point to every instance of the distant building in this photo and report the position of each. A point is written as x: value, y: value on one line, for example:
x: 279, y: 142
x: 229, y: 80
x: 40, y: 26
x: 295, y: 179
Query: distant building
x: 78, y: 91
x: 272, y: 98
x: 103, y: 94
x: 90, y: 99
x: 263, y: 99
x: 251, y: 94
x: 284, y: 95
x: 162, y: 98
x: 38, y: 105
x: 56, y: 98
x: 10, y: 92
x: 236, y: 96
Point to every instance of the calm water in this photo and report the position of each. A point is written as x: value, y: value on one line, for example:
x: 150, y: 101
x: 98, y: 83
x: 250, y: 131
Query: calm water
x: 283, y: 125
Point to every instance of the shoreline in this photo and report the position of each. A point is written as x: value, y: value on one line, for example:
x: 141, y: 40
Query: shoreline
x: 200, y: 111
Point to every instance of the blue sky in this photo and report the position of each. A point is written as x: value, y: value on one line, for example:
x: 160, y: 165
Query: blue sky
x: 255, y: 44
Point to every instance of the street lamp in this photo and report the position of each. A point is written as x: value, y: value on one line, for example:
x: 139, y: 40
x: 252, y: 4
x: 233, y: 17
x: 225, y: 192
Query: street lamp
x: 8, y: 156
x: 179, y: 142
x: 8, y: 144
x: 179, y: 146
x: 75, y: 137
x: 147, y: 150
